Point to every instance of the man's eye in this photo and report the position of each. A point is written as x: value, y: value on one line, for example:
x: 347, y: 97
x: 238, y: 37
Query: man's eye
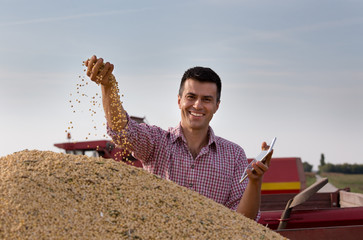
x: 190, y: 97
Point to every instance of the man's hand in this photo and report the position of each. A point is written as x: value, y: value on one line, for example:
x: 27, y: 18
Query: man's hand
x: 98, y: 71
x: 259, y: 168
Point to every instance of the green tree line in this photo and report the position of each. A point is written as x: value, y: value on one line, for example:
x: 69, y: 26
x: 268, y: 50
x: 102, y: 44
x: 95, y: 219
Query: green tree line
x: 342, y: 168
x: 336, y: 168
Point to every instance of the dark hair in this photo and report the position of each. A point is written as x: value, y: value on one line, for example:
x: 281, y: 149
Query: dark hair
x: 201, y: 74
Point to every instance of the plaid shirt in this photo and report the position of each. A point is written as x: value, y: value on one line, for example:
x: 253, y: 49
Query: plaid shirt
x: 214, y: 173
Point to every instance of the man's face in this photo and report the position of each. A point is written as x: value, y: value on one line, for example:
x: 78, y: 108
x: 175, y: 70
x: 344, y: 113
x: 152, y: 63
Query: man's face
x: 197, y: 103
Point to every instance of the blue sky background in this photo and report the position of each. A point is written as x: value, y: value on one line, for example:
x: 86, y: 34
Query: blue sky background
x: 290, y: 69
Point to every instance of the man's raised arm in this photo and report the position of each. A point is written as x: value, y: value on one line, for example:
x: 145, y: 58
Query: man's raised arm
x: 101, y: 73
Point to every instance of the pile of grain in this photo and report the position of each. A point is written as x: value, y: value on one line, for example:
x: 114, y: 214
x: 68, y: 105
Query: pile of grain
x: 47, y: 195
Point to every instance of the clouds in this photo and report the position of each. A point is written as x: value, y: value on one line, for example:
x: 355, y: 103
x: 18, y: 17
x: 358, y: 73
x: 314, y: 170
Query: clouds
x: 70, y: 17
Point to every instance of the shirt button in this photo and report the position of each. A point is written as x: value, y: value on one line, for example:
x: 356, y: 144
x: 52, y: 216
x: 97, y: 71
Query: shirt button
x: 192, y: 166
x: 190, y: 184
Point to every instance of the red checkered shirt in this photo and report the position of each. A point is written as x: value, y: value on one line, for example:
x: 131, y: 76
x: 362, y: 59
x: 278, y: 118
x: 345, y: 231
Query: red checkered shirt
x: 214, y: 173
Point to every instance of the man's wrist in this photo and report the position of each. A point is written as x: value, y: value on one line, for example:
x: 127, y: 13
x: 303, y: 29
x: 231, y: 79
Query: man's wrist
x: 255, y: 182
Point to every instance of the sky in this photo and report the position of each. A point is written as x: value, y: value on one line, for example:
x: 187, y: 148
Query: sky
x: 290, y: 69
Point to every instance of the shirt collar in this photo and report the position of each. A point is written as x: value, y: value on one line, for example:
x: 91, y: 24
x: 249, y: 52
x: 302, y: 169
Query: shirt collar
x: 178, y: 133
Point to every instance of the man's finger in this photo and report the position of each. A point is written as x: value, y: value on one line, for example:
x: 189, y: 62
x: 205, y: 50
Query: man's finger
x: 103, y: 78
x: 90, y: 64
x: 264, y: 146
x: 257, y: 170
x: 261, y: 166
x: 268, y: 158
x: 95, y: 69
x: 109, y: 72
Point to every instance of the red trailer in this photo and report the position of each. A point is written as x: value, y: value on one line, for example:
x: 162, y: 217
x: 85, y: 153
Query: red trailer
x: 312, y: 215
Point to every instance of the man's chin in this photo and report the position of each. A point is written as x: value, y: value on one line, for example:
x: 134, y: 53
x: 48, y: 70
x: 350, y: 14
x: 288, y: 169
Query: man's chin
x: 197, y: 127
x: 194, y: 124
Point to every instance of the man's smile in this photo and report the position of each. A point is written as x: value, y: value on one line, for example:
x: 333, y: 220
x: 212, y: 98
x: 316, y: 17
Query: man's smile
x: 196, y: 114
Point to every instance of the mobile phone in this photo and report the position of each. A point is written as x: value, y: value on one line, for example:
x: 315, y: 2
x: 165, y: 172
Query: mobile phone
x: 261, y: 157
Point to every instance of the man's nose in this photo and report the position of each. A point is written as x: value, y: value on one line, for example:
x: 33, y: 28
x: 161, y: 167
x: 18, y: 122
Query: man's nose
x: 198, y: 104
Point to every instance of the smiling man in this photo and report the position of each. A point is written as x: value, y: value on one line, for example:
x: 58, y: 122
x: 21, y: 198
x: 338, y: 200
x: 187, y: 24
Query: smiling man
x: 189, y: 154
x: 198, y: 100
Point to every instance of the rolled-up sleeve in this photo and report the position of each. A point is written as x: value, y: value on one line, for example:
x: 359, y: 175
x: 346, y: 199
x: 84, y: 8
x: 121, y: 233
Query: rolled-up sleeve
x: 140, y: 139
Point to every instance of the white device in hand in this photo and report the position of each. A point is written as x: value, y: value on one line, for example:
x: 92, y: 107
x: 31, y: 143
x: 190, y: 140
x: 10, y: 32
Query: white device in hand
x: 261, y: 157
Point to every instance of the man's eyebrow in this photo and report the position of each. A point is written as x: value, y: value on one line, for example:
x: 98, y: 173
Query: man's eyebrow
x: 208, y: 96
x: 193, y: 94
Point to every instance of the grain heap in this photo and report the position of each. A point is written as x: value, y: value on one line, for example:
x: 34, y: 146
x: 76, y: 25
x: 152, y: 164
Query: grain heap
x: 47, y: 195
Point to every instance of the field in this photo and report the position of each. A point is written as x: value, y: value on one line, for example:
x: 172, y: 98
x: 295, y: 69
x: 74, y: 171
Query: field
x: 339, y: 180
x: 310, y: 178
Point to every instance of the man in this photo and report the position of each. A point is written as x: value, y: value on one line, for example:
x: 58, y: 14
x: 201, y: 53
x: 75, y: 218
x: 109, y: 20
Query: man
x: 190, y: 154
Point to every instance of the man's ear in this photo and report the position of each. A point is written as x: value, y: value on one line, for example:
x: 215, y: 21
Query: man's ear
x: 219, y: 101
x: 179, y: 99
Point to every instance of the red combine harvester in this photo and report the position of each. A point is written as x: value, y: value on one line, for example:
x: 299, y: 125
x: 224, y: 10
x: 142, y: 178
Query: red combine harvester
x: 287, y: 206
x: 99, y: 148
